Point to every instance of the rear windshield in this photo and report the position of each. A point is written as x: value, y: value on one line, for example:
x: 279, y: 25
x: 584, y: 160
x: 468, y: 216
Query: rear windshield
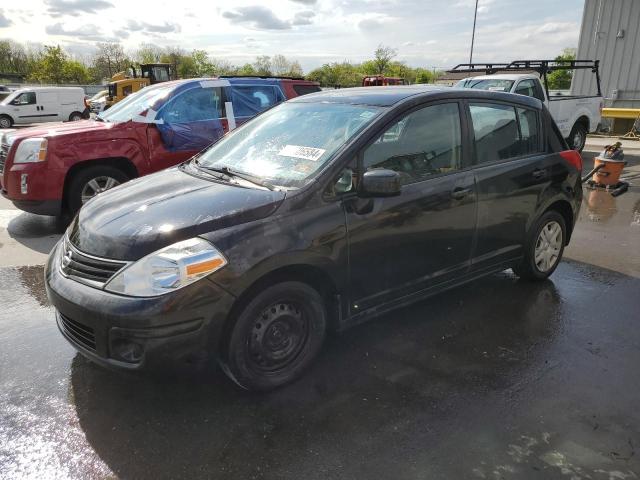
x: 491, y: 84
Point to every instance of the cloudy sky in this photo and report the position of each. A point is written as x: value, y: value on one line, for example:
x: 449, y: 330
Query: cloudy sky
x: 428, y: 33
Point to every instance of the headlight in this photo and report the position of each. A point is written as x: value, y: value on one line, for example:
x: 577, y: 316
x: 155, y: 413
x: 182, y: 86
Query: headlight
x: 31, y: 150
x: 168, y: 269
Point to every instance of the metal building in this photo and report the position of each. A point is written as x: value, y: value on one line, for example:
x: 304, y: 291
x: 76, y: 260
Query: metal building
x: 611, y: 33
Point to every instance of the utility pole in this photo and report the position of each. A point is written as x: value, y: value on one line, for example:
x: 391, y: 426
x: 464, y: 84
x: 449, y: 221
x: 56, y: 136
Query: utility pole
x: 473, y: 34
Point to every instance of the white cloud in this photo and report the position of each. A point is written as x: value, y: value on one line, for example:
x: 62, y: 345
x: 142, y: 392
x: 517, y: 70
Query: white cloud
x: 426, y: 32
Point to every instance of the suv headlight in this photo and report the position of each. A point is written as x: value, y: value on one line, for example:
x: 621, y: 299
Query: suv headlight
x: 168, y: 269
x: 31, y: 150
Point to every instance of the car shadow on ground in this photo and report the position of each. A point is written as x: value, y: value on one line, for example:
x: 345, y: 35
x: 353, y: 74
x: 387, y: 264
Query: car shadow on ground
x: 36, y: 232
x: 413, y: 369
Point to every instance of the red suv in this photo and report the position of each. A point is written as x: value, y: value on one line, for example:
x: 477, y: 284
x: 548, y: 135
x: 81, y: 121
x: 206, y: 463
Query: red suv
x: 53, y: 169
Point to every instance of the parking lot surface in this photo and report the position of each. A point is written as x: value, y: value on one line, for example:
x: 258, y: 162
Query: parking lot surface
x: 496, y: 379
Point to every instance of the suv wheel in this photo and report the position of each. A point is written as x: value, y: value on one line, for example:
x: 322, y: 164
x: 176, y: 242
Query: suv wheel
x: 275, y: 337
x: 578, y: 137
x: 544, y: 247
x: 75, y: 117
x: 5, y: 121
x: 90, y: 182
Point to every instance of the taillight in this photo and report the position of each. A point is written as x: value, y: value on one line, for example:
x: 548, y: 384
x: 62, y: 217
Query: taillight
x: 86, y: 103
x: 573, y: 157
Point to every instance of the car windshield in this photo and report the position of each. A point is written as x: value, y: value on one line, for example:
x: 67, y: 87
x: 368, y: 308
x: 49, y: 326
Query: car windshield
x: 98, y: 96
x: 287, y: 145
x: 492, y: 84
x: 135, y: 104
x: 10, y: 98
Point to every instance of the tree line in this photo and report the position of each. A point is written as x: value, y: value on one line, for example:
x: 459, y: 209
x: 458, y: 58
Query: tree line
x: 53, y: 64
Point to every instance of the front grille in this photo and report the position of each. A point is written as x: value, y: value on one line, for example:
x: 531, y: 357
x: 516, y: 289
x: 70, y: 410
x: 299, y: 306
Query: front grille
x: 87, y: 269
x: 4, y: 153
x: 79, y: 333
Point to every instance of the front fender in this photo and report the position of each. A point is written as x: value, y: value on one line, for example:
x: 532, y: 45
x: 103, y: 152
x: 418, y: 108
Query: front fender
x: 129, y: 149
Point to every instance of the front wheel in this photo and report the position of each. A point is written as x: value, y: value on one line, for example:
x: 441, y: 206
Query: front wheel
x: 578, y: 137
x: 275, y: 337
x: 5, y: 121
x: 544, y: 247
x: 90, y: 182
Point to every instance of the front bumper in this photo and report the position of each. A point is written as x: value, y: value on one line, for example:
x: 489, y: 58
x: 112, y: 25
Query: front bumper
x: 135, y: 333
x: 42, y: 187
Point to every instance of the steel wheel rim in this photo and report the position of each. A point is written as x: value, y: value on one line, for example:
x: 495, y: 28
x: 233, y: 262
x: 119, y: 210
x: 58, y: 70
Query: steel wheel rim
x: 548, y: 246
x: 97, y: 185
x: 277, y: 337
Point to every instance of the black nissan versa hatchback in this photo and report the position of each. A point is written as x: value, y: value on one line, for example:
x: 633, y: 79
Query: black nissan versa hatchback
x: 316, y: 215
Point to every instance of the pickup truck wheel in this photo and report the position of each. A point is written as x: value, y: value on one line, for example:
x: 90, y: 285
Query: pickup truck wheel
x: 275, y: 337
x: 90, y: 182
x: 75, y: 117
x: 5, y: 121
x: 544, y: 247
x: 578, y: 137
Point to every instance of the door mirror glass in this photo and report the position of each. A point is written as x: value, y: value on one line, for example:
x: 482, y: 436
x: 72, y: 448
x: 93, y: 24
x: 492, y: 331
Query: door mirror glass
x: 380, y: 183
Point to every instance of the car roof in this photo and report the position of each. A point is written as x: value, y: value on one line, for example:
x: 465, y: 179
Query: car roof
x: 38, y: 89
x: 391, y: 95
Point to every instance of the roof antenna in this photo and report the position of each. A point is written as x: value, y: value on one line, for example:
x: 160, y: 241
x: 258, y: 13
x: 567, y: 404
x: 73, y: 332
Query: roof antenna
x: 473, y: 34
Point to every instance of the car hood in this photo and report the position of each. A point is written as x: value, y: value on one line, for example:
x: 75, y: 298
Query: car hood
x: 144, y: 215
x: 59, y: 129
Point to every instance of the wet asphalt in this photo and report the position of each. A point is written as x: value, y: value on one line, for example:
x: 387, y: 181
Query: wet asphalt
x: 496, y: 379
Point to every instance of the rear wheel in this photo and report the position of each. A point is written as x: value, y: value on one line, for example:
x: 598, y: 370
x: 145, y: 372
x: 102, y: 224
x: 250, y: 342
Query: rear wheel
x: 75, y: 117
x: 578, y: 137
x: 276, y: 336
x: 91, y: 181
x: 544, y: 247
x: 5, y: 121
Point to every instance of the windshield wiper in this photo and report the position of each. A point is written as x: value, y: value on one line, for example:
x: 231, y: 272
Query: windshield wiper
x: 230, y: 172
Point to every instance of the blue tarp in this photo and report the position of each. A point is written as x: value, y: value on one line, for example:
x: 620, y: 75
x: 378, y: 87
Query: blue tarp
x: 190, y: 117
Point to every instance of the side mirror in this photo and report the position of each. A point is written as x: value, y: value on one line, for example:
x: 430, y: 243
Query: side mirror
x: 380, y: 183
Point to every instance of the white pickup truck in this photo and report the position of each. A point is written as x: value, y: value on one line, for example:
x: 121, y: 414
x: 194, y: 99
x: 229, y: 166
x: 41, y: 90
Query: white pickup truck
x: 575, y: 115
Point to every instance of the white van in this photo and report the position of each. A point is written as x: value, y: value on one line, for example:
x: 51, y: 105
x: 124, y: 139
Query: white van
x: 43, y: 104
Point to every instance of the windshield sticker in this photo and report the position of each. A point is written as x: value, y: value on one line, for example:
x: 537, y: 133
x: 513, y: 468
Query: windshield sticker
x: 496, y: 89
x: 306, y: 153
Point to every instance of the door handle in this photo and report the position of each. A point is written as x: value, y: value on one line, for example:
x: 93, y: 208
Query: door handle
x: 539, y: 173
x: 459, y: 193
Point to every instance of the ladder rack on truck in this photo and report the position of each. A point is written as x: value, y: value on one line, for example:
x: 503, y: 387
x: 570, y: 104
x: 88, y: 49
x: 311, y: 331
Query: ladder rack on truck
x: 543, y: 67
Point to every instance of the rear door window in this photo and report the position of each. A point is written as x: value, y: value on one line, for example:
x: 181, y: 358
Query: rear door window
x: 499, y: 134
x: 249, y: 100
x: 529, y: 131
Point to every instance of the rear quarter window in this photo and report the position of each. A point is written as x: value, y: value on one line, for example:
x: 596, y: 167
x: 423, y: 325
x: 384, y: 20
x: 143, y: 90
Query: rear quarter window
x: 305, y: 89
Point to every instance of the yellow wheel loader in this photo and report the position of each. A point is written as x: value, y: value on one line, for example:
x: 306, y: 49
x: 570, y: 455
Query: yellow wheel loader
x: 134, y: 79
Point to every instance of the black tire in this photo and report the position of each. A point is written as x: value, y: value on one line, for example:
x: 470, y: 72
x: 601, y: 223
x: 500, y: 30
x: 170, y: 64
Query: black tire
x: 578, y: 137
x: 74, y: 196
x: 75, y: 117
x: 275, y: 337
x: 6, y: 121
x: 529, y: 268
